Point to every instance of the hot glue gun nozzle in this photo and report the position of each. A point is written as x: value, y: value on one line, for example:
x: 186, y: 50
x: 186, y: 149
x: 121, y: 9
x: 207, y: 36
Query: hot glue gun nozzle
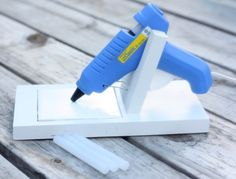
x: 76, y: 95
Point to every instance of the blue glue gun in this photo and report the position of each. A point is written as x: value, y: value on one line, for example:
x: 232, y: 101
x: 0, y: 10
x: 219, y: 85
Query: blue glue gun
x: 123, y: 53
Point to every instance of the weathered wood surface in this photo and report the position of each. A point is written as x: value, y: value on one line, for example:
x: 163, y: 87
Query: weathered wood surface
x: 65, y: 24
x: 51, y: 56
x: 9, y: 171
x: 89, y: 35
x: 206, y: 156
x: 193, y: 38
x: 213, y: 13
x: 51, y: 61
x: 209, y: 155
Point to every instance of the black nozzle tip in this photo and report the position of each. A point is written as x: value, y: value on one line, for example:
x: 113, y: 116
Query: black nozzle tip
x: 76, y: 95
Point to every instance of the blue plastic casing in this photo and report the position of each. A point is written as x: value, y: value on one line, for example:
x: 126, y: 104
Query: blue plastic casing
x: 105, y: 69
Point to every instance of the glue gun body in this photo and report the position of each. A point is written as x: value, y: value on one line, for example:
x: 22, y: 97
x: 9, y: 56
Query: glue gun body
x: 123, y: 53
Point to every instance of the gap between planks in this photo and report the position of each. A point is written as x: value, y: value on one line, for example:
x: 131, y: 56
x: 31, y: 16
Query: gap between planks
x: 207, y: 24
x: 167, y: 11
x: 46, y: 34
x: 19, y: 163
x: 8, y: 146
x: 25, y: 75
x: 9, y: 171
x: 32, y: 173
x: 69, y: 5
x: 17, y: 73
x: 68, y: 44
x: 211, y: 51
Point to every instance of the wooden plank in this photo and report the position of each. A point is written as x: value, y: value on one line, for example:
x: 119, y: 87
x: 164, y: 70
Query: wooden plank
x: 55, y: 58
x: 79, y: 29
x: 9, y: 171
x: 43, y: 158
x: 192, y: 36
x: 211, y: 155
x: 83, y: 41
x: 203, y: 166
x: 216, y: 14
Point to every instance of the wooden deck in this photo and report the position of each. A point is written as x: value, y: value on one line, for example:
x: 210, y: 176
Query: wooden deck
x: 51, y: 41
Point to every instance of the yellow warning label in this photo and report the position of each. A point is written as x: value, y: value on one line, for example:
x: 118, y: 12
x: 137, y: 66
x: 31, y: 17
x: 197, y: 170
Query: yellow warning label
x: 142, y: 37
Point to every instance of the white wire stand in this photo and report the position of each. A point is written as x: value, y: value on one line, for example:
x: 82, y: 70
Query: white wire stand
x: 43, y: 111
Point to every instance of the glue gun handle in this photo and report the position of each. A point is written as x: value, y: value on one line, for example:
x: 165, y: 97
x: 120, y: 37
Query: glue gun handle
x: 187, y: 66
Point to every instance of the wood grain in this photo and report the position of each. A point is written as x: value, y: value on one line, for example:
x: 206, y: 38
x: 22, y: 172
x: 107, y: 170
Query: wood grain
x: 216, y: 14
x: 43, y: 158
x: 209, y: 155
x: 54, y: 62
x: 78, y: 29
x: 73, y: 28
x: 204, y: 156
x: 197, y: 38
x: 9, y: 171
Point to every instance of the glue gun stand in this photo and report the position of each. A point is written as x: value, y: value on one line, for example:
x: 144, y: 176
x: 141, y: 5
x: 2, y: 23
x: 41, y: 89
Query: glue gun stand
x: 172, y: 109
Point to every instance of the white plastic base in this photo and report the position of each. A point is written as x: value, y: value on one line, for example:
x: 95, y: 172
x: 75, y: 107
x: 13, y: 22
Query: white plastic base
x: 42, y: 111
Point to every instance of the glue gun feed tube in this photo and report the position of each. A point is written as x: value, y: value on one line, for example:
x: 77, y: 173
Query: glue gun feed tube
x: 76, y: 95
